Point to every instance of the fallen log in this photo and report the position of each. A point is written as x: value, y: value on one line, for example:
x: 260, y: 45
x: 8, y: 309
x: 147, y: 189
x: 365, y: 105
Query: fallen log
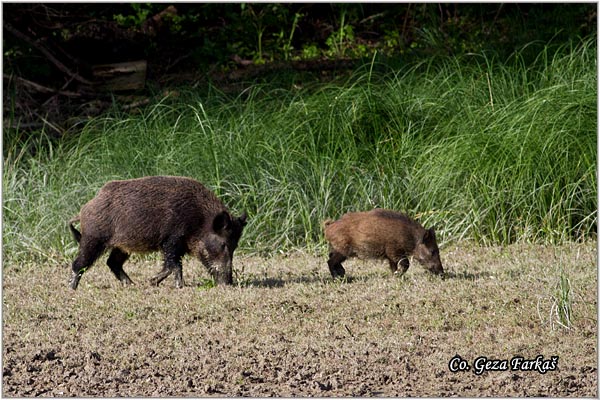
x: 120, y: 76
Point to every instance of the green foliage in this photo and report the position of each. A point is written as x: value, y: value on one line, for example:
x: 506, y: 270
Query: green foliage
x: 141, y: 12
x: 341, y: 38
x: 310, y: 51
x: 206, y: 283
x: 200, y: 35
x: 269, y: 32
x: 484, y: 150
x: 286, y: 46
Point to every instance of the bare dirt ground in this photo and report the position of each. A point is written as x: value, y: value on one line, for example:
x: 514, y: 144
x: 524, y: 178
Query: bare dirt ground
x: 286, y: 329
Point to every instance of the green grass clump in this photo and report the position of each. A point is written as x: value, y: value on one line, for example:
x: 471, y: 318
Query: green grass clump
x: 493, y: 151
x: 564, y: 301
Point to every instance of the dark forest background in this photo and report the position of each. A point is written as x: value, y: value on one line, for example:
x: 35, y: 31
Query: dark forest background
x: 51, y: 51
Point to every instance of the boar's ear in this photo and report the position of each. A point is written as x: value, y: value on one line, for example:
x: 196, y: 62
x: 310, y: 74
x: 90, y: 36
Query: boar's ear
x: 242, y: 219
x: 221, y: 221
x: 429, y: 235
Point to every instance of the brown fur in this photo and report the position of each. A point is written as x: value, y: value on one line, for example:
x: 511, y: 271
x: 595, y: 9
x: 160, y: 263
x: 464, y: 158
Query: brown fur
x: 174, y: 214
x: 381, y: 234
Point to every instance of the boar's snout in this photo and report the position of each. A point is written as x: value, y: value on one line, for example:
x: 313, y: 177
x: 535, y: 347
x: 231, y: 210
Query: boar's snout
x: 219, y: 262
x: 217, y: 258
x: 430, y: 260
x: 216, y: 249
x: 223, y: 275
x: 428, y: 254
x: 436, y: 267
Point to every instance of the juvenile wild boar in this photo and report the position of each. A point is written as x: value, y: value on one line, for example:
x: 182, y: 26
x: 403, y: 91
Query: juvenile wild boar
x: 175, y: 215
x: 381, y: 234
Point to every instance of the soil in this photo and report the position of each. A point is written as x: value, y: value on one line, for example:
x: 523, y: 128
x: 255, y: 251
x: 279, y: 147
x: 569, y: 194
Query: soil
x: 287, y: 329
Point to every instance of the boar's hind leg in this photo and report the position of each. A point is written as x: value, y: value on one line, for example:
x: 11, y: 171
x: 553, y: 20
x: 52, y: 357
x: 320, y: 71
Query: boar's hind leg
x: 89, y: 251
x: 173, y: 251
x: 115, y: 262
x: 335, y: 264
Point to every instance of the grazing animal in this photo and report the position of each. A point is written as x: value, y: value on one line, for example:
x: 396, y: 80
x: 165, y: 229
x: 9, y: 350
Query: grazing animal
x: 381, y: 234
x: 175, y: 215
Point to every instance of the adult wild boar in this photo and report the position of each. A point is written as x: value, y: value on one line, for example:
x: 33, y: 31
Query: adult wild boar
x: 381, y: 234
x: 175, y: 215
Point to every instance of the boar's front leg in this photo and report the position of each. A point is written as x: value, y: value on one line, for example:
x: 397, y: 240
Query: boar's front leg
x: 173, y: 251
x: 404, y: 264
x: 335, y: 264
x: 115, y: 262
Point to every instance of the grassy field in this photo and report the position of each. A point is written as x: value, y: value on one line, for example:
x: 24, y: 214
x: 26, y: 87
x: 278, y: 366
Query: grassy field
x: 499, y: 155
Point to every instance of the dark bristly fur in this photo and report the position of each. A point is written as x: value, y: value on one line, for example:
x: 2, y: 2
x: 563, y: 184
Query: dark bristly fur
x: 381, y: 234
x: 175, y: 215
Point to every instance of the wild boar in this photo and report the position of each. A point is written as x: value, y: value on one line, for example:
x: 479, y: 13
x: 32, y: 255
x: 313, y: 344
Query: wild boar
x: 381, y: 234
x: 175, y: 215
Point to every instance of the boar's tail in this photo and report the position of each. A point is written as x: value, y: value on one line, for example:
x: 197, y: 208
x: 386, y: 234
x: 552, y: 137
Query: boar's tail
x: 75, y: 232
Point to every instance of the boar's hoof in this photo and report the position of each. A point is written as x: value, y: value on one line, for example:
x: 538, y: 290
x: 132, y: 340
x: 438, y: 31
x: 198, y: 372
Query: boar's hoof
x: 399, y: 273
x: 155, y: 281
x: 126, y: 281
x: 74, y: 282
x: 337, y: 272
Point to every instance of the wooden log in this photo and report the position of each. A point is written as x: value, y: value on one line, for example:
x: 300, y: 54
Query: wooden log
x: 120, y: 76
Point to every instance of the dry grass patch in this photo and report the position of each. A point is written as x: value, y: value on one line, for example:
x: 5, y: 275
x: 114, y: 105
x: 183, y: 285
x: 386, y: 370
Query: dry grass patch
x: 287, y: 329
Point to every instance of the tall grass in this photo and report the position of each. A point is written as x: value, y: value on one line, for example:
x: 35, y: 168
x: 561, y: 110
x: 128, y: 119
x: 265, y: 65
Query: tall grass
x: 492, y: 151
